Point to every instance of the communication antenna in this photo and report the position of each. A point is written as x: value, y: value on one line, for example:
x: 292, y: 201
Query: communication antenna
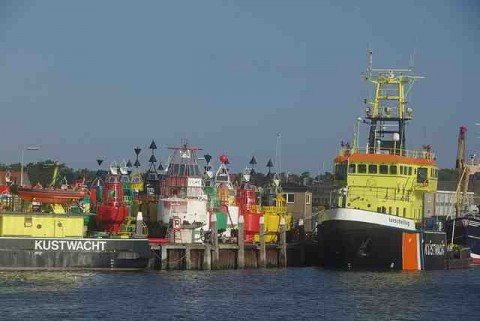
x: 412, y: 59
x: 278, y: 154
x: 370, y: 61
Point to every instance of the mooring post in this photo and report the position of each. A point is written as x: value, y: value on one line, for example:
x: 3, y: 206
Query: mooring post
x: 283, y: 244
x: 139, y: 226
x: 216, y: 253
x: 241, y: 243
x: 263, y: 253
x: 207, y: 257
x: 164, y: 257
x: 188, y: 258
x: 301, y: 230
x: 301, y: 243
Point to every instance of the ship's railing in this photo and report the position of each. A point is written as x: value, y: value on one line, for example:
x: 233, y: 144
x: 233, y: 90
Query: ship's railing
x: 15, y: 204
x: 418, y: 154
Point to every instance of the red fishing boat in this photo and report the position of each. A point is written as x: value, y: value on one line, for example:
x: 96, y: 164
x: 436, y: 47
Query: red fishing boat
x: 112, y: 211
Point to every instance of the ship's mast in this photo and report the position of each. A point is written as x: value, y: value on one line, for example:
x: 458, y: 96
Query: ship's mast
x: 388, y: 112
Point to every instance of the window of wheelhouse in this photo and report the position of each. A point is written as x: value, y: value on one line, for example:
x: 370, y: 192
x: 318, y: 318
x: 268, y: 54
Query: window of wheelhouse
x: 362, y: 168
x: 383, y: 169
x: 422, y: 175
x: 393, y: 169
x: 372, y: 169
x: 352, y: 168
x: 341, y: 172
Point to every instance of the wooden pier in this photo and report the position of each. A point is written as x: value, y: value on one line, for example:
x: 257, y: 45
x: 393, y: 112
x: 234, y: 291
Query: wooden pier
x: 215, y: 255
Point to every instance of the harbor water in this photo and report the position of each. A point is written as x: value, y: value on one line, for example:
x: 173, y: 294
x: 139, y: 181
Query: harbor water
x: 273, y: 294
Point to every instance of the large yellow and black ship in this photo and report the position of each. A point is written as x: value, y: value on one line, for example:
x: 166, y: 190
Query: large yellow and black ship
x: 378, y: 202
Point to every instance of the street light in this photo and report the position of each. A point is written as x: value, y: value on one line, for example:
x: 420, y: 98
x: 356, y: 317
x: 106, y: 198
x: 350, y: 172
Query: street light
x: 21, y: 166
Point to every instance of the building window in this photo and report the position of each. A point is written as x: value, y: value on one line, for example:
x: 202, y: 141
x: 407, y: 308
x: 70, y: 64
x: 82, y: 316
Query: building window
x: 308, y: 198
x: 290, y: 197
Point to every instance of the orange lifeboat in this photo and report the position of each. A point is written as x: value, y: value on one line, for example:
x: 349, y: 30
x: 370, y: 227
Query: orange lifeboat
x: 51, y: 196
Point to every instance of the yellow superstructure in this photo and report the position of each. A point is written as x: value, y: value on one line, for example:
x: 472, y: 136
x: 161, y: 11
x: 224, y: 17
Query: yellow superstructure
x: 41, y: 224
x: 385, y: 183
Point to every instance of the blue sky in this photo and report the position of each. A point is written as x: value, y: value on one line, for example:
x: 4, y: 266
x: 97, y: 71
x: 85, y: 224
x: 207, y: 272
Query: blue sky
x: 89, y: 79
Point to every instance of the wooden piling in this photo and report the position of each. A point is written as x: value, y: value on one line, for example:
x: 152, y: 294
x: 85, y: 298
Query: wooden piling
x: 241, y: 243
x: 301, y: 230
x: 207, y: 258
x: 188, y: 258
x: 283, y: 244
x: 164, y: 258
x: 216, y: 253
x: 263, y: 254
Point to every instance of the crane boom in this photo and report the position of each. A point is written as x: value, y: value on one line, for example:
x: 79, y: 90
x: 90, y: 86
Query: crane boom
x: 464, y: 171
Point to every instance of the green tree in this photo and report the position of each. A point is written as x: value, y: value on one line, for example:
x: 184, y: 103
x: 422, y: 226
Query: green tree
x: 447, y: 175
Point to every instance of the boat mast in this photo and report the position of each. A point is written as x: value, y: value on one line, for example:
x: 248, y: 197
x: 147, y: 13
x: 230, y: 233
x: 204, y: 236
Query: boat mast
x: 388, y: 112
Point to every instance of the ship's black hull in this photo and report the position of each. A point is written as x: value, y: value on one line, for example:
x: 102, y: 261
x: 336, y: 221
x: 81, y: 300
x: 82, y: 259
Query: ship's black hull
x: 19, y: 253
x: 358, y: 245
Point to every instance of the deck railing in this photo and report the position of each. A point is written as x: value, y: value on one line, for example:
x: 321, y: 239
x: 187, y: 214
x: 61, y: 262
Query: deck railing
x: 419, y: 154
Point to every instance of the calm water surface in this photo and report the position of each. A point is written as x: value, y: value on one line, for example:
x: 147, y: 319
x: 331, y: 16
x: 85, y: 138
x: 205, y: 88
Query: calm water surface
x: 290, y: 294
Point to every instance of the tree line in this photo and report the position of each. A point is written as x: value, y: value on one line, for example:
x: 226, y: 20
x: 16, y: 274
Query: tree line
x: 42, y: 172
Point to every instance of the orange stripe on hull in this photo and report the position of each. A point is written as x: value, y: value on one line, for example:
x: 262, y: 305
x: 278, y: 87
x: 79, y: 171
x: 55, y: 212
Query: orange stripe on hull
x: 410, y: 251
x: 384, y: 158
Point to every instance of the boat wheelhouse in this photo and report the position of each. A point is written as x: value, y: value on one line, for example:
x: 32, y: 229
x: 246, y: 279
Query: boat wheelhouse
x: 385, y: 181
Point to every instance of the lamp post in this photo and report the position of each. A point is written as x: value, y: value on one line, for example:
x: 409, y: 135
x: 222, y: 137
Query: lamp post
x: 21, y: 166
